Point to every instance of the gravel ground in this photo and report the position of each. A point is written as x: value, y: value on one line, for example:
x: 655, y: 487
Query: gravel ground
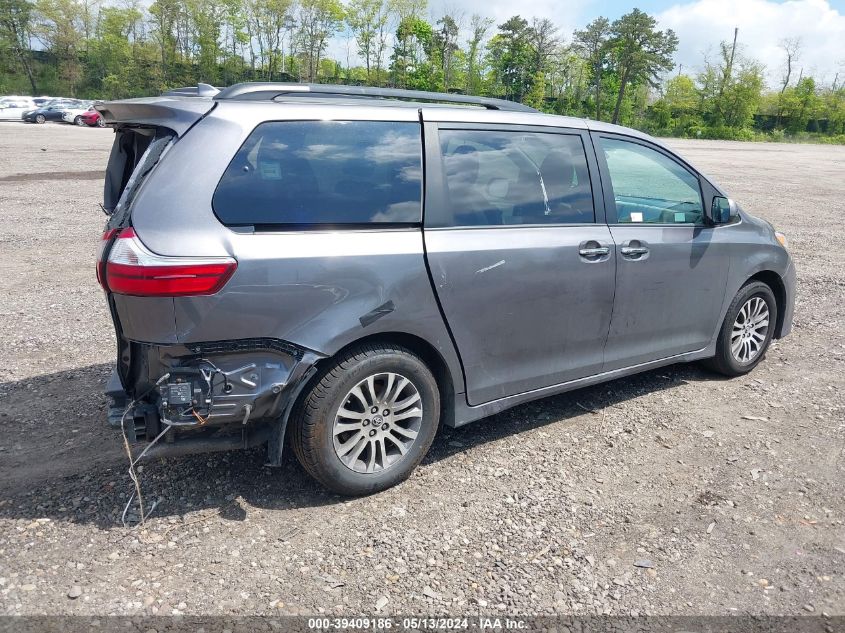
x: 673, y: 492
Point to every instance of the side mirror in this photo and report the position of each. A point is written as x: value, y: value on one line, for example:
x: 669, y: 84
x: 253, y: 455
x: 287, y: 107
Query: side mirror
x: 723, y: 210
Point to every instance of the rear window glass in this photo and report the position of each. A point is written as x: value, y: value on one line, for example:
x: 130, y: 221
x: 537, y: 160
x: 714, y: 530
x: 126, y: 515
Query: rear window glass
x: 324, y: 172
x: 498, y: 177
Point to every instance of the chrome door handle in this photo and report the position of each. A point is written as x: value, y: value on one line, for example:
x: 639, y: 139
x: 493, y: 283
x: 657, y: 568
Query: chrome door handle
x: 634, y: 250
x: 594, y: 252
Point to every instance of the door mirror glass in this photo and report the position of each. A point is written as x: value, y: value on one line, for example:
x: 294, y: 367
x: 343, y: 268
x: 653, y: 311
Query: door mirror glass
x: 723, y: 210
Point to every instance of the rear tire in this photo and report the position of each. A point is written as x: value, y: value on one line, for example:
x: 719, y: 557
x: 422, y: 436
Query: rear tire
x: 100, y: 122
x: 746, y: 331
x: 367, y: 420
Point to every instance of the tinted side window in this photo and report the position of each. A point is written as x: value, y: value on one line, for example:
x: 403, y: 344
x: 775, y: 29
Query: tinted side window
x: 495, y: 178
x: 324, y: 172
x: 649, y: 187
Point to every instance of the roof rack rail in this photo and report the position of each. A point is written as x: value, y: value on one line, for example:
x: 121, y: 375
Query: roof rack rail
x: 266, y: 91
x: 200, y: 90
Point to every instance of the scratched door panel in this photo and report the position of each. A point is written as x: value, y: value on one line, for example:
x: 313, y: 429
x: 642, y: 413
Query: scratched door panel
x: 526, y: 309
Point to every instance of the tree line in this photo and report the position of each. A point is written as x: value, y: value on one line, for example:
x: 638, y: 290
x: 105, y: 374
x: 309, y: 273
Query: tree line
x: 620, y: 70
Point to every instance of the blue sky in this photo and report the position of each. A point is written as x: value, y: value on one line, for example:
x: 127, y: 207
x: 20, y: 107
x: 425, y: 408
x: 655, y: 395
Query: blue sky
x: 700, y: 25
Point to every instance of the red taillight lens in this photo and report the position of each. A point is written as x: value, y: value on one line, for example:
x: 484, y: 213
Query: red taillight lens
x: 132, y: 269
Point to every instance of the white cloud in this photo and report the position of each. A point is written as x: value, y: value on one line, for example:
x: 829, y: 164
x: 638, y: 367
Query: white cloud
x: 762, y: 24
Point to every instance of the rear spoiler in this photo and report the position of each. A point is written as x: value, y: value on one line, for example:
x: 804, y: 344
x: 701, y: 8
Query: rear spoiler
x: 173, y: 112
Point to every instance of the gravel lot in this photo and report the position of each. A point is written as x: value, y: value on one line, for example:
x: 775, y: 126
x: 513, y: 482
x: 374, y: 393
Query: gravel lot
x: 673, y: 492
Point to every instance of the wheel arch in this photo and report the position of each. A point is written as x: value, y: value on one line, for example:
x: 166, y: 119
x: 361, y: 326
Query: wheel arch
x: 429, y: 354
x: 774, y: 281
x: 426, y: 351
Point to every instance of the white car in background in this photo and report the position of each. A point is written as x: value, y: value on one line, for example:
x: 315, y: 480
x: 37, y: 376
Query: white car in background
x: 74, y: 114
x: 12, y: 108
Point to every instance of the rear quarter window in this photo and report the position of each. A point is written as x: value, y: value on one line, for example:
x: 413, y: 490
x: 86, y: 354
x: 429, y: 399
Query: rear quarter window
x: 324, y: 173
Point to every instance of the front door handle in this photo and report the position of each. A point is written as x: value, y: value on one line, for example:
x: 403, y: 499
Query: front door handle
x: 598, y: 251
x: 634, y: 250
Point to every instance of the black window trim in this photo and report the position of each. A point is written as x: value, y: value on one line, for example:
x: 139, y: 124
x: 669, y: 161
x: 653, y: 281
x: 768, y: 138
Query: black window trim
x: 297, y: 227
x: 607, y: 186
x: 435, y: 200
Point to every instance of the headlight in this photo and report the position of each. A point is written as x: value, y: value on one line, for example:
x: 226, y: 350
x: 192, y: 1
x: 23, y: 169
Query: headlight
x: 780, y: 237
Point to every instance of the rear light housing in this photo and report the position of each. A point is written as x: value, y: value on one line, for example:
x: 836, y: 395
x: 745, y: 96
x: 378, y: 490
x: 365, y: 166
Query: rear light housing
x: 101, y: 262
x: 132, y: 269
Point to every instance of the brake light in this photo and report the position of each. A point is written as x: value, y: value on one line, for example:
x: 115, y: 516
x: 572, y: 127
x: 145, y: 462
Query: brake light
x: 132, y: 269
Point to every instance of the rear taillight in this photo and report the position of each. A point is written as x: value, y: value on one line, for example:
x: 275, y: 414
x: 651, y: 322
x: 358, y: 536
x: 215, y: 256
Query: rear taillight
x: 131, y: 269
x: 101, y: 262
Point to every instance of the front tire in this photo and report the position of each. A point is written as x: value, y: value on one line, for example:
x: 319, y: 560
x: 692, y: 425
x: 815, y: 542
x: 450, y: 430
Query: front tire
x: 78, y: 121
x: 746, y: 331
x: 40, y: 118
x: 368, y: 420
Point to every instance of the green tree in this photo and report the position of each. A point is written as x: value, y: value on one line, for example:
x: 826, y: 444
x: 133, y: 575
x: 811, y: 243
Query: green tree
x: 412, y: 62
x: 593, y: 43
x: 567, y: 81
x: 318, y: 21
x: 16, y: 24
x: 730, y: 89
x: 445, y: 43
x: 536, y: 97
x: 206, y: 18
x: 544, y: 42
x: 110, y: 60
x: 681, y: 94
x: 366, y: 20
x: 164, y: 16
x: 236, y: 38
x: 57, y: 27
x: 510, y: 57
x: 799, y: 104
x: 268, y: 23
x: 479, y: 28
x: 832, y: 105
x: 640, y: 52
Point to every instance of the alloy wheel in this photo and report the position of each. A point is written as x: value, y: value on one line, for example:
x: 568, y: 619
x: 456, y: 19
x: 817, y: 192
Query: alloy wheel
x: 377, y: 423
x: 750, y: 330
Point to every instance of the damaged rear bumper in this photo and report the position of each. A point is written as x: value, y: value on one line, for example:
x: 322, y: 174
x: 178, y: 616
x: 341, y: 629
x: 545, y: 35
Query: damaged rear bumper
x: 212, y: 396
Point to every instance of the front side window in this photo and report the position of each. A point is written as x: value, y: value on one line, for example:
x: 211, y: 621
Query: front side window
x: 511, y: 178
x: 649, y: 187
x: 324, y: 173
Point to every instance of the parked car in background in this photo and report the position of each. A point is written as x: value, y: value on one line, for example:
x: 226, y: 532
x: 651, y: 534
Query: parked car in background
x: 40, y: 101
x: 272, y: 277
x: 51, y: 111
x: 74, y: 114
x: 13, y: 108
x: 93, y: 118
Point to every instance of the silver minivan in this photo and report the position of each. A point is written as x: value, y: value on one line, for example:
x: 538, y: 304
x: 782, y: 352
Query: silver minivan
x: 343, y: 269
